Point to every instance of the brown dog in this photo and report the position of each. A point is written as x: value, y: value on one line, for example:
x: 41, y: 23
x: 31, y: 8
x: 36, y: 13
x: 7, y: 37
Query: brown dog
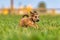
x: 30, y: 21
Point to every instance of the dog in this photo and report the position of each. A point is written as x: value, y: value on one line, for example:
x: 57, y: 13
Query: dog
x: 30, y: 21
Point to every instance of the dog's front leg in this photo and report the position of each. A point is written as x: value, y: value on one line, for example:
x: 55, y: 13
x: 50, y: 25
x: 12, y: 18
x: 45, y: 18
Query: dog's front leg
x: 36, y: 26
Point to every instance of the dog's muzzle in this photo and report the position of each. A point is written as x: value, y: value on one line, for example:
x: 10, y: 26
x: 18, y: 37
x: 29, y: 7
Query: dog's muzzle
x: 37, y: 21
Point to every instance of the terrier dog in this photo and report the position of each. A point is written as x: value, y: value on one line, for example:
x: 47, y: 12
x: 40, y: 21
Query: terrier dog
x: 30, y: 21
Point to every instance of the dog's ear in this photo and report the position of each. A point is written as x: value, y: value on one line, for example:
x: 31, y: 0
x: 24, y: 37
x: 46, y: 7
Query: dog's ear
x: 35, y: 12
x: 31, y: 12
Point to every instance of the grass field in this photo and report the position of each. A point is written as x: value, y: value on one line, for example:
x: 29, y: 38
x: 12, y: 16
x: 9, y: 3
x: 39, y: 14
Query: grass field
x: 49, y: 28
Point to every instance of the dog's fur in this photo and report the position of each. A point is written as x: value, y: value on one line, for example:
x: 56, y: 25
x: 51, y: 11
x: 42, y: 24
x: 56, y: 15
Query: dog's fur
x: 30, y: 21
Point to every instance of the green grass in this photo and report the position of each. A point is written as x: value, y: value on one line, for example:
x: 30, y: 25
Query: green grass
x: 49, y: 28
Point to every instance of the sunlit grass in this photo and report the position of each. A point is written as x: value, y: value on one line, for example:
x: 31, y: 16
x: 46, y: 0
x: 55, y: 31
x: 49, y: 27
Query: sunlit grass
x: 49, y: 28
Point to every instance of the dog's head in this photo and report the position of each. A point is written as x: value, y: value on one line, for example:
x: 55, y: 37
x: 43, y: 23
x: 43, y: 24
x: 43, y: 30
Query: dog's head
x: 35, y: 16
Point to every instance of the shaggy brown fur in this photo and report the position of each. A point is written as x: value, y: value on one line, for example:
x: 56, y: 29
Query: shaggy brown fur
x: 30, y: 21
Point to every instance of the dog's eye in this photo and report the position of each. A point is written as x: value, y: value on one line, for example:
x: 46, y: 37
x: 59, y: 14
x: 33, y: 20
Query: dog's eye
x: 35, y: 16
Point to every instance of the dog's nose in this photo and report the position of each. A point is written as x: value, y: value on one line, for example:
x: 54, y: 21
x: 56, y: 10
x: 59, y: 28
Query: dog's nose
x: 37, y: 20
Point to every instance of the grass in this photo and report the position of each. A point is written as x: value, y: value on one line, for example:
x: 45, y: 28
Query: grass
x: 49, y: 28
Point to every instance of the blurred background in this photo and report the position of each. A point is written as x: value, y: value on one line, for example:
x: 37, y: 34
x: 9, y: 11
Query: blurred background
x: 25, y: 6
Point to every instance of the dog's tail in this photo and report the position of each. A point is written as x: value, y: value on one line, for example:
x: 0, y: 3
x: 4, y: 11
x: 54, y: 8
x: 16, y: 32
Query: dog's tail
x: 26, y: 15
